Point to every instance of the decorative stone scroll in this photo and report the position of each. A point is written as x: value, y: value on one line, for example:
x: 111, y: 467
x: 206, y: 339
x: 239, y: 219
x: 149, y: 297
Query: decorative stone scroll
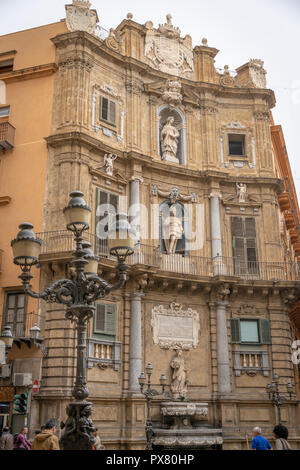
x: 79, y: 17
x: 174, y: 327
x: 167, y: 51
x: 174, y: 194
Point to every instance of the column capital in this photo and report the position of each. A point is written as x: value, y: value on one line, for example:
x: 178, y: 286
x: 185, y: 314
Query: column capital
x: 215, y: 193
x: 137, y: 178
x: 136, y: 295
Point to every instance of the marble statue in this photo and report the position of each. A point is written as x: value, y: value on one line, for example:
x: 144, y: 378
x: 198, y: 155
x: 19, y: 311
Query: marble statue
x: 172, y: 230
x: 169, y: 140
x: 241, y: 191
x: 109, y: 159
x: 179, y: 383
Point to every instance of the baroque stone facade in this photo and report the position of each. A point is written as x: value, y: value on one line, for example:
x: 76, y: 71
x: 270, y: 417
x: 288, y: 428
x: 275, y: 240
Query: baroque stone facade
x: 226, y: 276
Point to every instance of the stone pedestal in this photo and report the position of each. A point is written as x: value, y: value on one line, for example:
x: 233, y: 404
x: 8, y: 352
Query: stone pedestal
x: 79, y: 428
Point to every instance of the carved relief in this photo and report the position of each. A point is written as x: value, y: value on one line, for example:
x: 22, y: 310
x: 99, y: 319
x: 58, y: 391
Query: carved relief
x: 172, y: 93
x: 257, y: 73
x: 174, y: 327
x: 167, y: 51
x: 79, y: 17
x: 174, y: 194
x: 226, y: 79
x: 112, y: 41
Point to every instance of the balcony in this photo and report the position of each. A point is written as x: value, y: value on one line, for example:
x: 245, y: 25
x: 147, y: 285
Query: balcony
x: 103, y: 354
x: 251, y: 362
x: 7, y: 136
x: 62, y: 242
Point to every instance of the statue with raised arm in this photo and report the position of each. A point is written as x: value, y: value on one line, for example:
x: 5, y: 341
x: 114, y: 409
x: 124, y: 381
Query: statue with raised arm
x: 109, y: 159
x: 169, y: 140
x: 172, y: 230
x: 241, y: 191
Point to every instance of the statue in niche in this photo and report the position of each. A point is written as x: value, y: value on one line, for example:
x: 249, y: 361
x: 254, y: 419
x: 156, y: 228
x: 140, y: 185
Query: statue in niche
x: 241, y: 191
x: 169, y: 140
x: 172, y: 230
x: 109, y: 159
x: 179, y: 383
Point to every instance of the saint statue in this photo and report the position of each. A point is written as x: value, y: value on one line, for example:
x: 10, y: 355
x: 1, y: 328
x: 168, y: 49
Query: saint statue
x: 241, y: 191
x: 179, y: 383
x: 169, y: 140
x: 172, y: 230
x: 109, y: 159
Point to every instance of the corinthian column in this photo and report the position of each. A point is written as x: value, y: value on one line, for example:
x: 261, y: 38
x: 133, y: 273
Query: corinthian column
x: 135, y: 345
x: 224, y: 385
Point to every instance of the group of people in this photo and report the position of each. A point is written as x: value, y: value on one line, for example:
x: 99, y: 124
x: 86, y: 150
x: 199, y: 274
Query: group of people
x: 261, y: 443
x: 45, y: 439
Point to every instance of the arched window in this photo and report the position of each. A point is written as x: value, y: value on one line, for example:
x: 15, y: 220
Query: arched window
x: 173, y: 228
x: 164, y: 112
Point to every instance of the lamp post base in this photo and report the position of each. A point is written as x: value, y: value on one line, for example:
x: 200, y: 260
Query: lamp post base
x: 79, y: 428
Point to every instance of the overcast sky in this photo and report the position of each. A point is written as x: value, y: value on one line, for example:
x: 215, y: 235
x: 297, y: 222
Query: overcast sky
x: 263, y: 29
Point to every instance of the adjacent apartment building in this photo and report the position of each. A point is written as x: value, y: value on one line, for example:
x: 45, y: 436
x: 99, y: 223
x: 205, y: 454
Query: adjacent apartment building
x: 141, y: 121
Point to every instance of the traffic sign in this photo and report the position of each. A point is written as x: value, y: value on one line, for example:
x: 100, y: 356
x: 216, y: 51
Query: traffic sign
x: 35, y: 386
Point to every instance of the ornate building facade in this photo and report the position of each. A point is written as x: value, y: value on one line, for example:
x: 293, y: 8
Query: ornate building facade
x: 142, y: 122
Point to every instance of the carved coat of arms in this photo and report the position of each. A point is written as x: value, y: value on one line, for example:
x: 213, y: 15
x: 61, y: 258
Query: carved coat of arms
x: 167, y: 50
x: 79, y: 17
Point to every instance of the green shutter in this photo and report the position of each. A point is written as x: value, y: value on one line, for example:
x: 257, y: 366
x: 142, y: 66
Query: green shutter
x: 265, y: 333
x: 235, y: 330
x: 104, y: 109
x: 112, y: 112
x: 110, y: 320
x: 99, y: 324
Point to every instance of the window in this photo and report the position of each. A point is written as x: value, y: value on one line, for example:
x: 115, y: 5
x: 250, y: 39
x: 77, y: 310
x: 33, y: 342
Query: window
x: 106, y: 210
x: 105, y: 321
x: 15, y: 313
x: 6, y: 65
x: 4, y: 111
x: 108, y: 111
x: 236, y: 144
x: 244, y: 249
x: 250, y: 331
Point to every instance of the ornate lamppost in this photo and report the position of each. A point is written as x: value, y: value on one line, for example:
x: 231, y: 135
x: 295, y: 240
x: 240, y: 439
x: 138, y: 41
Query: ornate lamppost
x: 274, y: 395
x: 149, y: 394
x: 79, y: 295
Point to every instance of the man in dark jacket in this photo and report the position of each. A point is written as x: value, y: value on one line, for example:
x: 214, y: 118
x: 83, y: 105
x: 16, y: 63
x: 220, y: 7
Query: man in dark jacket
x: 6, y: 440
x: 46, y: 440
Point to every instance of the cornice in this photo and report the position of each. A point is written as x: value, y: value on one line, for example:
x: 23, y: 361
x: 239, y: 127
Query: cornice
x: 29, y: 73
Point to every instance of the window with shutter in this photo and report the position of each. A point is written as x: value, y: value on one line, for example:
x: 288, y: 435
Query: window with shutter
x: 235, y: 330
x: 15, y: 313
x: 265, y: 332
x: 105, y: 322
x: 244, y: 250
x: 106, y: 210
x: 108, y: 111
x: 249, y: 331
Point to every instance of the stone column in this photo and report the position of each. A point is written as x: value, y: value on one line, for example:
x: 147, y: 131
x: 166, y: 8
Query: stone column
x: 135, y: 345
x: 216, y: 238
x: 135, y: 209
x: 224, y: 386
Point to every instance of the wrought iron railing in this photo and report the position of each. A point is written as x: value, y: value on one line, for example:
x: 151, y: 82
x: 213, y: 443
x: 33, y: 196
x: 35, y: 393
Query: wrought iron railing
x: 62, y: 241
x: 7, y: 135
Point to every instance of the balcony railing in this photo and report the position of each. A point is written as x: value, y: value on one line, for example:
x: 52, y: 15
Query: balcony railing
x: 62, y: 242
x: 251, y: 362
x: 7, y: 136
x: 104, y: 353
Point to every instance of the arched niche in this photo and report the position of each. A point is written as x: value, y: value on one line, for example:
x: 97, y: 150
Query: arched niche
x: 180, y: 123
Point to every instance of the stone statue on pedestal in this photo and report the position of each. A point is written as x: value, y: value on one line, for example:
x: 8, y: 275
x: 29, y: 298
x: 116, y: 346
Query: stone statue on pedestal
x: 172, y: 230
x: 169, y: 141
x: 179, y: 383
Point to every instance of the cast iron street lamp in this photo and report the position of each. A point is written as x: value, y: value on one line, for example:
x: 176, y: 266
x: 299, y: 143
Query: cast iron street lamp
x: 78, y: 295
x: 149, y: 394
x: 274, y: 394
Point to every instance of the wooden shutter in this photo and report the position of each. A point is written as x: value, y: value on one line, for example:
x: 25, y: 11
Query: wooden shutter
x: 112, y: 112
x: 265, y: 333
x: 99, y: 325
x: 235, y: 330
x: 110, y: 318
x: 244, y: 248
x: 104, y: 108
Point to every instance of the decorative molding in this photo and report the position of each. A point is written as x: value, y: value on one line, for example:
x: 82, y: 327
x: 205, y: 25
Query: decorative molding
x: 4, y: 200
x: 262, y: 115
x: 174, y: 327
x: 172, y: 93
x: 79, y: 17
x: 112, y: 42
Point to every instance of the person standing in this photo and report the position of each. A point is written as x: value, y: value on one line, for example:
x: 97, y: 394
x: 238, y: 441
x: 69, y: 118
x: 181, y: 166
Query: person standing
x: 281, y: 434
x: 6, y: 440
x: 259, y: 442
x: 21, y: 442
x: 47, y: 440
x: 97, y: 445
